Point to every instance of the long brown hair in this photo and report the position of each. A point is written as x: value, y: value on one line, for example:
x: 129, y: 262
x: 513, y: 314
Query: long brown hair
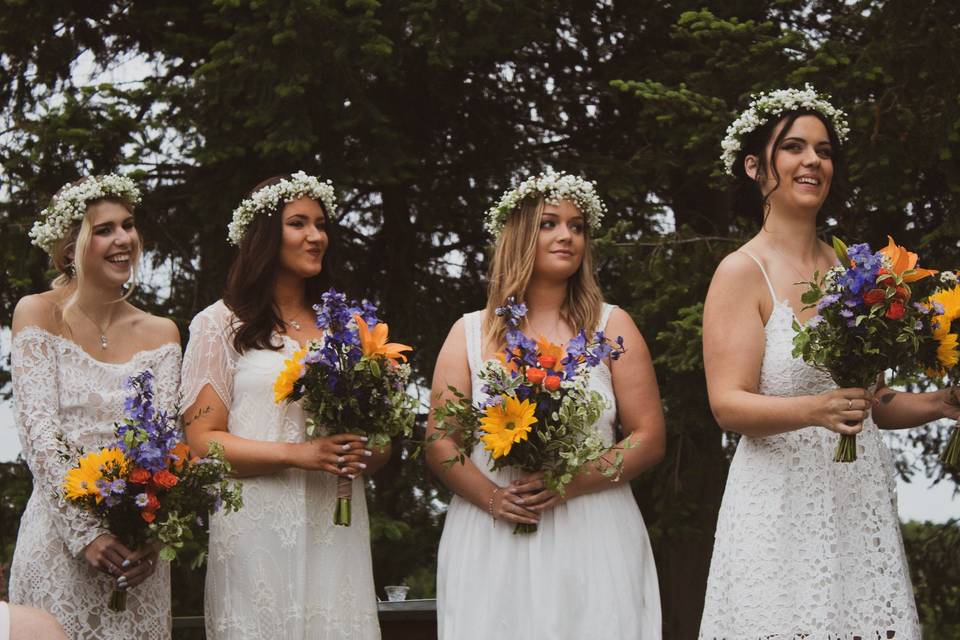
x: 511, y: 269
x: 253, y: 276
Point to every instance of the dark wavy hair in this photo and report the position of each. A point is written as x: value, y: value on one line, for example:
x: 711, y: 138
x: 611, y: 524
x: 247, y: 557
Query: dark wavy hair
x: 748, y: 197
x: 253, y: 275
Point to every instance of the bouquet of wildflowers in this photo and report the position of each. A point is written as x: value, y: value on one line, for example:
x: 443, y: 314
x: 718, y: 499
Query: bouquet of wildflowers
x: 940, y: 358
x: 145, y: 488
x: 539, y: 412
x: 866, y: 322
x: 351, y: 381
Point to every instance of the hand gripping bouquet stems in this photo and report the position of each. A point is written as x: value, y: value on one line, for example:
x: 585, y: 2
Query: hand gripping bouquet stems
x: 867, y: 319
x: 351, y: 381
x: 940, y: 357
x: 145, y: 488
x: 539, y: 412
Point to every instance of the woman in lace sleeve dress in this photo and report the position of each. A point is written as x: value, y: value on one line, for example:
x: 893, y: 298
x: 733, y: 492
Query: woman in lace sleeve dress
x: 588, y: 571
x: 805, y: 548
x: 73, y: 348
x: 278, y: 568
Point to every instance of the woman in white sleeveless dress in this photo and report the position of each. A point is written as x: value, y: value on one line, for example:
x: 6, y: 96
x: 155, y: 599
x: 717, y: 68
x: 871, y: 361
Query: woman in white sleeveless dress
x: 805, y: 547
x: 73, y: 348
x: 588, y: 571
x: 278, y: 568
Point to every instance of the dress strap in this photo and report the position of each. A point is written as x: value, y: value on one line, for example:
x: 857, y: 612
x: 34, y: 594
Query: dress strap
x: 605, y: 312
x: 473, y: 327
x: 773, y: 293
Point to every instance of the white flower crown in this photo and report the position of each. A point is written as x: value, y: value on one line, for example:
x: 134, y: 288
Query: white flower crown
x: 552, y: 187
x: 265, y: 200
x: 70, y: 205
x: 763, y: 106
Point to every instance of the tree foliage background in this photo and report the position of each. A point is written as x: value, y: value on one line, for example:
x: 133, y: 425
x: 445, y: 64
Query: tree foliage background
x: 422, y: 112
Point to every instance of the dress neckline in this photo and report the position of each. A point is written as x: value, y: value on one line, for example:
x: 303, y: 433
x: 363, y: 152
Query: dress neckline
x: 83, y: 352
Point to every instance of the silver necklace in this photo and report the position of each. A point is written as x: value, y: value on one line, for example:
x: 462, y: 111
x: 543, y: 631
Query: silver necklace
x: 103, y: 330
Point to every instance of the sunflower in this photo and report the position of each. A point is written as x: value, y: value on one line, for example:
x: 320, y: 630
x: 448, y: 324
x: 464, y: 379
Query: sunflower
x: 948, y: 354
x: 81, y: 481
x: 950, y: 301
x: 293, y: 370
x: 506, y: 424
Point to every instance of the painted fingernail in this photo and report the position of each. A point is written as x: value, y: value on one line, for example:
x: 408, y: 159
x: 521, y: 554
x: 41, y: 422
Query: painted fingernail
x: 367, y: 452
x: 340, y: 459
x: 361, y: 465
x: 364, y: 438
x: 345, y: 447
x: 351, y: 476
x: 125, y: 564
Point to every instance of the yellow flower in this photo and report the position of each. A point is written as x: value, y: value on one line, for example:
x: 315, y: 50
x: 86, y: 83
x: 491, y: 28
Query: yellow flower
x: 374, y: 343
x: 950, y: 300
x: 948, y: 354
x: 506, y: 424
x: 293, y: 370
x: 81, y: 481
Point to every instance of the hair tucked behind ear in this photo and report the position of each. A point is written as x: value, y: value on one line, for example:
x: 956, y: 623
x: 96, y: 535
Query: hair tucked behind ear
x: 748, y: 197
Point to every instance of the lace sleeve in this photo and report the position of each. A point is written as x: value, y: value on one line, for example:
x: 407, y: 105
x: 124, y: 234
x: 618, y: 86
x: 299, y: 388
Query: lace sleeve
x: 210, y: 356
x: 36, y: 397
x: 166, y: 375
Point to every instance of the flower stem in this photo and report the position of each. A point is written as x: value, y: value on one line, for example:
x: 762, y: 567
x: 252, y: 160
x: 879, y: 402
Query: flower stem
x: 118, y: 600
x: 950, y: 457
x: 341, y: 514
x: 846, y: 449
x: 524, y: 529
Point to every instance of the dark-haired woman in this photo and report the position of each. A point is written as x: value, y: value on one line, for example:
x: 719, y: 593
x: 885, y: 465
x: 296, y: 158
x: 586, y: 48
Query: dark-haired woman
x: 805, y: 547
x: 279, y: 568
x: 74, y: 347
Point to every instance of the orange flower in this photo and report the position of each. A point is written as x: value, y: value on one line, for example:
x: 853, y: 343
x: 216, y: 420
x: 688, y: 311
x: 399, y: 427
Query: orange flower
x: 374, y: 343
x: 179, y: 455
x: 904, y: 263
x: 164, y: 479
x: 549, y: 352
x: 535, y: 375
x: 552, y: 383
x: 148, y: 516
x: 139, y: 476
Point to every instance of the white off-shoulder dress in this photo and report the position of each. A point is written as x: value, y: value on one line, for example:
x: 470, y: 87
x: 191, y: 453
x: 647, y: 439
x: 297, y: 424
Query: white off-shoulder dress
x: 807, y: 548
x: 58, y: 388
x: 278, y: 568
x: 587, y: 572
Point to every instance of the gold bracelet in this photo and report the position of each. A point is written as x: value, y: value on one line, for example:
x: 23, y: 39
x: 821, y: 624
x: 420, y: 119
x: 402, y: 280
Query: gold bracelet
x: 490, y: 502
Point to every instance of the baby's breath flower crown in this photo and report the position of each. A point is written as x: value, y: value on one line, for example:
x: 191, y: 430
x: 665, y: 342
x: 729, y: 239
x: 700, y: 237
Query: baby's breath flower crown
x: 70, y: 205
x: 764, y: 106
x: 265, y: 200
x: 552, y: 187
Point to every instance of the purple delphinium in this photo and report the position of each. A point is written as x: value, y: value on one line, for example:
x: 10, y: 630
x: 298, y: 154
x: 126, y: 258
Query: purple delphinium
x: 147, y: 434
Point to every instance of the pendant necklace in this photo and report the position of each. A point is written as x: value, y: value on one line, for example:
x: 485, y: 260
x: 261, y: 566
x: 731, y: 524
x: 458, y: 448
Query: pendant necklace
x: 103, y: 330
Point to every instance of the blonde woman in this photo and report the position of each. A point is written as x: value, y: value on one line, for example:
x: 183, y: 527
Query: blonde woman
x: 73, y: 348
x: 588, y: 571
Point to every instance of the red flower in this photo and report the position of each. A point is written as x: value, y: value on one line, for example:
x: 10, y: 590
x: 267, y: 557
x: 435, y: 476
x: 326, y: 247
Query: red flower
x: 885, y: 278
x: 152, y: 503
x: 903, y: 293
x: 139, y: 476
x: 896, y: 310
x: 164, y: 479
x: 552, y: 383
x: 535, y: 375
x: 874, y: 296
x: 148, y: 516
x: 548, y: 362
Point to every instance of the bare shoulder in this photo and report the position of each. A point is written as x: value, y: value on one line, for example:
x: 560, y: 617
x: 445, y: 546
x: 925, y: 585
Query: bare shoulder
x: 737, y: 266
x: 456, y: 341
x: 621, y: 323
x: 41, y: 310
x: 154, y: 331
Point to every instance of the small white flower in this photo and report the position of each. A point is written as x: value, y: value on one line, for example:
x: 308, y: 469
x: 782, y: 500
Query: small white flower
x: 265, y: 200
x: 552, y: 187
x: 70, y: 205
x: 767, y: 105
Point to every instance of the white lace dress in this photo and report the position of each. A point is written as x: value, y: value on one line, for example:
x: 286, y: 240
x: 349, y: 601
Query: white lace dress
x: 807, y: 548
x: 278, y: 568
x: 60, y: 389
x: 587, y: 572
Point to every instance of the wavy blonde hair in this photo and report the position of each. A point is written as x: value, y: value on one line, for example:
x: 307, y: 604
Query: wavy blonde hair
x: 511, y: 269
